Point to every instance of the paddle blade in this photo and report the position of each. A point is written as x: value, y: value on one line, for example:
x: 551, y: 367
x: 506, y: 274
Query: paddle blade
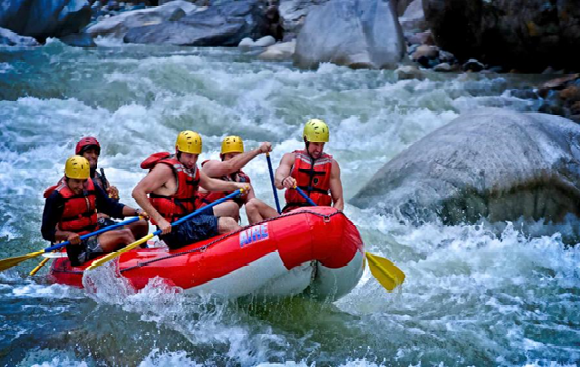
x: 386, y: 273
x: 14, y: 261
x: 107, y: 258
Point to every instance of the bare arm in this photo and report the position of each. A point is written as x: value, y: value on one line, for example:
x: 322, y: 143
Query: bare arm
x: 283, y: 172
x: 215, y: 185
x: 336, y: 187
x: 217, y: 169
x: 153, y: 181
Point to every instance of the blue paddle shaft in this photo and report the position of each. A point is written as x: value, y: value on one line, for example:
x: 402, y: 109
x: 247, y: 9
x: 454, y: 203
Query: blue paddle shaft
x: 100, y: 231
x: 197, y: 212
x: 273, y: 185
x: 310, y: 201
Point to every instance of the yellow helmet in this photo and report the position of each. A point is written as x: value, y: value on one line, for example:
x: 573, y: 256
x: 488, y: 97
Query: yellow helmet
x: 316, y: 130
x: 232, y: 143
x: 77, y: 167
x: 189, y: 142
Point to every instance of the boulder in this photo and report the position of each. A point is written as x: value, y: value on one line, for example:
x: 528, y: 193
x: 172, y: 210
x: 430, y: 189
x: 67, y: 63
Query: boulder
x: 223, y: 24
x: 293, y: 13
x: 413, y: 20
x: 44, y: 18
x: 427, y: 51
x: 409, y: 72
x: 355, y: 33
x: 118, y: 26
x: 443, y: 67
x: 265, y: 41
x: 9, y: 38
x: 246, y: 43
x: 527, y: 35
x: 279, y: 51
x: 79, y: 40
x: 491, y: 162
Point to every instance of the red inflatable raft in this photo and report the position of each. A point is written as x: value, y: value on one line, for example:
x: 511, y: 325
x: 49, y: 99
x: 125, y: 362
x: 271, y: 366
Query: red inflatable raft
x: 317, y: 248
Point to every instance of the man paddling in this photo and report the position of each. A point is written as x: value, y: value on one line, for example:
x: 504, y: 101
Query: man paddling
x: 90, y: 148
x: 233, y: 159
x: 312, y: 170
x: 172, y: 185
x: 71, y: 210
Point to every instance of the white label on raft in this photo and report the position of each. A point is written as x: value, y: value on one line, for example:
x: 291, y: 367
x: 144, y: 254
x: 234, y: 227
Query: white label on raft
x: 254, y: 234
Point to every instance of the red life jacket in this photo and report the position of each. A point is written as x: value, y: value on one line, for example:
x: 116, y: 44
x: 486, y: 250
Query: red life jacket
x: 313, y: 177
x: 80, y: 210
x: 181, y: 203
x: 205, y: 198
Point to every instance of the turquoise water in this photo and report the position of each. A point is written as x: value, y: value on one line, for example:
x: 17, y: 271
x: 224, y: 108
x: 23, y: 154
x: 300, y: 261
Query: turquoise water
x: 484, y: 294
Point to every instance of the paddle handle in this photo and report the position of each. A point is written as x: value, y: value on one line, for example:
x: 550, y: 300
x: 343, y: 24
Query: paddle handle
x: 98, y: 232
x: 301, y: 192
x: 272, y: 180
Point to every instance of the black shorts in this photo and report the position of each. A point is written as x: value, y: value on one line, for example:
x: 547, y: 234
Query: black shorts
x: 195, y: 229
x: 105, y: 222
x: 87, y: 250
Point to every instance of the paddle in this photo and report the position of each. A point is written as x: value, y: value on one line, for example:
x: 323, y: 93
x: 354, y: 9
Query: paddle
x: 272, y: 180
x: 386, y: 273
x: 99, y: 262
x: 14, y: 261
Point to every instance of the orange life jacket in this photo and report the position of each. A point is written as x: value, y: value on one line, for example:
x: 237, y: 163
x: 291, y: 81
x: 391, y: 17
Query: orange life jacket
x: 205, y: 198
x: 181, y: 203
x: 313, y: 177
x: 80, y: 210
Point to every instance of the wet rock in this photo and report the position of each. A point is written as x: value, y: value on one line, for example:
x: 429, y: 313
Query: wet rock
x: 443, y: 67
x: 409, y: 72
x: 42, y: 19
x: 355, y: 33
x: 473, y: 65
x: 293, y: 13
x: 430, y: 52
x: 491, y: 162
x: 279, y: 51
x: 118, y: 26
x: 558, y: 83
x: 446, y: 57
x: 223, y: 24
x: 246, y: 43
x: 528, y: 35
x: 402, y: 6
x: 414, y: 19
x: 9, y: 38
x: 79, y: 40
x: 421, y: 38
x: 265, y: 41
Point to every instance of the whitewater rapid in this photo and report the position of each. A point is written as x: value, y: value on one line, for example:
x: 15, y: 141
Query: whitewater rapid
x: 481, y: 294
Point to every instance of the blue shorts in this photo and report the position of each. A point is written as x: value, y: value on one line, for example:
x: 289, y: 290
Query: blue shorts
x: 195, y: 229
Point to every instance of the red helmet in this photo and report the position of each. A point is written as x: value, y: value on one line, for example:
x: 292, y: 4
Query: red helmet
x: 85, y: 142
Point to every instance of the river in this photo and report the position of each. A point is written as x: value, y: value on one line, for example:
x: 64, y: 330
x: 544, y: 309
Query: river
x: 480, y: 294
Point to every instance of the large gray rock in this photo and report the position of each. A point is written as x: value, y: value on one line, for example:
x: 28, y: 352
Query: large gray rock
x: 527, y: 35
x: 44, y: 18
x: 492, y: 162
x: 293, y: 13
x: 413, y: 20
x: 118, y: 26
x: 9, y: 38
x: 225, y: 24
x: 355, y: 33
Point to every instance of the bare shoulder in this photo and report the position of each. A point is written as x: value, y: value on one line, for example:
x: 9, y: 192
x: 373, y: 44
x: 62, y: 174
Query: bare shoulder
x: 209, y: 164
x: 288, y: 157
x: 161, y: 172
